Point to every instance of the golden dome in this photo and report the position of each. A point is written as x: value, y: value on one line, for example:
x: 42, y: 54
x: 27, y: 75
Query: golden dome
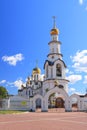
x: 36, y: 71
x: 54, y: 31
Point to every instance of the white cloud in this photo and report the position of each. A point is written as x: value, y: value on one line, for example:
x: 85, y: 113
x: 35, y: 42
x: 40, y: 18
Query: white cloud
x: 72, y: 90
x: 42, y: 77
x: 18, y: 83
x: 74, y: 78
x: 68, y: 71
x: 12, y: 60
x: 80, y: 61
x: 79, y: 93
x: 85, y: 79
x: 2, y: 81
x: 80, y: 2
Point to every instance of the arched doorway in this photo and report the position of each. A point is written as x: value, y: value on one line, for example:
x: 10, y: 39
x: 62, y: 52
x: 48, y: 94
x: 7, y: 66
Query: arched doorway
x: 59, y: 103
x: 51, y: 101
x: 74, y: 104
x: 59, y: 93
x: 55, y: 103
x: 38, y: 105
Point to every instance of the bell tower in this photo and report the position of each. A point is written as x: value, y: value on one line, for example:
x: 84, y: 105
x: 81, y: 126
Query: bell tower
x: 54, y: 44
x: 55, y: 67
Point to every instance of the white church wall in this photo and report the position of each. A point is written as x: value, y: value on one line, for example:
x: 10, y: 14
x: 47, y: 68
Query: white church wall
x: 85, y: 104
x: 18, y: 103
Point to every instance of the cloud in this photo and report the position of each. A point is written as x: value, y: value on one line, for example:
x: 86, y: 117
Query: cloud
x: 85, y: 79
x: 42, y: 77
x: 80, y: 61
x: 16, y: 83
x: 80, y: 2
x: 2, y: 81
x: 74, y: 78
x: 68, y: 71
x: 72, y: 90
x: 12, y: 60
x: 79, y: 93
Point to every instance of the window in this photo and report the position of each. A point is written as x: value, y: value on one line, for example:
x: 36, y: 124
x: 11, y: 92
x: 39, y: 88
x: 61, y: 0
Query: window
x: 56, y: 50
x: 58, y: 70
x: 29, y: 92
x: 37, y: 77
x: 52, y: 50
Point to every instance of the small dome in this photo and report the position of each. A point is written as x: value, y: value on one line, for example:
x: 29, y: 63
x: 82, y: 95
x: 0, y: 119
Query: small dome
x: 36, y: 71
x: 54, y: 31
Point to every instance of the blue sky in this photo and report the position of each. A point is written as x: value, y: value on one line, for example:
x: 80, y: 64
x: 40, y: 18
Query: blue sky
x: 24, y: 35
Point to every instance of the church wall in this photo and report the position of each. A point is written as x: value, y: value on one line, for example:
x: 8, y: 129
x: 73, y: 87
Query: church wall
x: 85, y: 103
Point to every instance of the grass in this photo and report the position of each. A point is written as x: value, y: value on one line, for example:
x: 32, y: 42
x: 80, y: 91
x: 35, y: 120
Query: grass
x: 10, y: 112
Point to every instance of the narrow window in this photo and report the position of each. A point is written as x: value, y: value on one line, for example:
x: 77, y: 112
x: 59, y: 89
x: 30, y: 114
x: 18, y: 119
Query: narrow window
x: 52, y: 50
x: 58, y: 70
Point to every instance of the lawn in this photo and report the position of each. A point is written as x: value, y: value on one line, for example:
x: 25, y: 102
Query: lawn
x: 10, y: 112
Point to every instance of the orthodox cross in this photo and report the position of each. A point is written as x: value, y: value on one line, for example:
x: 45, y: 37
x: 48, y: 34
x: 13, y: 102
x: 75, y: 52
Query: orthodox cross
x: 54, y: 21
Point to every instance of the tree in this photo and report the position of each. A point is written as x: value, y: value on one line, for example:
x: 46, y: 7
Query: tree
x: 3, y: 92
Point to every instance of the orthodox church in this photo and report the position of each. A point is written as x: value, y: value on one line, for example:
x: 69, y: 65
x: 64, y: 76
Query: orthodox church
x: 54, y: 75
x: 52, y: 90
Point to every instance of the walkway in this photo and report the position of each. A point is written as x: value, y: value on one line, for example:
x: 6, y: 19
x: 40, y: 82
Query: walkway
x: 44, y: 121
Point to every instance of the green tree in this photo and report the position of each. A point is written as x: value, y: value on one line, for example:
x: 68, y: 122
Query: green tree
x: 3, y: 92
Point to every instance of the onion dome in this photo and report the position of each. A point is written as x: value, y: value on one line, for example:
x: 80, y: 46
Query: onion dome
x: 36, y: 71
x: 54, y: 31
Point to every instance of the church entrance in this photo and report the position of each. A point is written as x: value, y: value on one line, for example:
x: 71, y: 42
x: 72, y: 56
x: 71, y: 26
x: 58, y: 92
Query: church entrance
x: 38, y: 105
x: 74, y: 104
x: 59, y: 103
x: 55, y: 103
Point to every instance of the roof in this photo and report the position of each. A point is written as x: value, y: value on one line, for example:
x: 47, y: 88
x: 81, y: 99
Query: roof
x: 50, y: 63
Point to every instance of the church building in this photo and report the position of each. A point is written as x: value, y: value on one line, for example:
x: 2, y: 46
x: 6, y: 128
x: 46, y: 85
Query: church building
x: 51, y: 91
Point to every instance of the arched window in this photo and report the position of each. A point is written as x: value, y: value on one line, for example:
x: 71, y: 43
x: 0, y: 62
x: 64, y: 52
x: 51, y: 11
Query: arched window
x: 58, y: 70
x: 29, y: 92
x: 37, y: 77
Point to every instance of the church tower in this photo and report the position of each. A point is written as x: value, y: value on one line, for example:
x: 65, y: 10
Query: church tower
x: 54, y: 44
x: 54, y: 66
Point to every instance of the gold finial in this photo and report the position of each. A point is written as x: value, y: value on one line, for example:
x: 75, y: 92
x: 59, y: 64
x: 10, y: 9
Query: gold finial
x: 54, y: 21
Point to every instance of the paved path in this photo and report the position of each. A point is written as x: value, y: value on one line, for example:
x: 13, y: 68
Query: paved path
x: 44, y: 121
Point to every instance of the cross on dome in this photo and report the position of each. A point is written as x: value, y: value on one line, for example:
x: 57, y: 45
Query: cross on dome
x: 54, y: 20
x: 55, y: 30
